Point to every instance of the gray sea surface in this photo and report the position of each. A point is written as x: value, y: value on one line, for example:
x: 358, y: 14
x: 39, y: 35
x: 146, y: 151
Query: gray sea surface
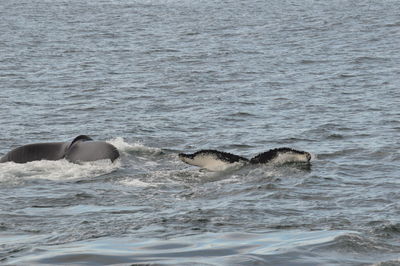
x: 156, y: 78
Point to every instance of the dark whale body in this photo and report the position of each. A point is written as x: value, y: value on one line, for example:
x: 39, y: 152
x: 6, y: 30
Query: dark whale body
x: 81, y: 149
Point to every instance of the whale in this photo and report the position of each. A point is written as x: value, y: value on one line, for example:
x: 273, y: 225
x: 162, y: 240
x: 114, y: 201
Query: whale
x: 81, y: 149
x: 281, y: 156
x: 212, y: 160
x: 215, y: 160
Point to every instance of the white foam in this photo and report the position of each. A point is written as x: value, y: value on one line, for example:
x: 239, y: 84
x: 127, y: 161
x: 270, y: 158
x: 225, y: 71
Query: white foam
x: 135, y: 183
x: 54, y: 170
x: 289, y: 157
x: 123, y: 146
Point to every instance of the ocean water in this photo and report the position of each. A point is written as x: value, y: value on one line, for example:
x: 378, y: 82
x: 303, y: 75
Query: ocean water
x: 156, y: 78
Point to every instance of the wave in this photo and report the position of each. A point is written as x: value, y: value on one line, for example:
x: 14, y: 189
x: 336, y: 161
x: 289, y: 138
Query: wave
x: 275, y: 248
x: 388, y: 230
x: 356, y: 243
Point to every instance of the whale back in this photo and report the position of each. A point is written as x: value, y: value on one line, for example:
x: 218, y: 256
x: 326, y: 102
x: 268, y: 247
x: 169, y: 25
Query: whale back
x: 85, y: 151
x: 281, y: 155
x: 211, y: 159
x: 36, y: 152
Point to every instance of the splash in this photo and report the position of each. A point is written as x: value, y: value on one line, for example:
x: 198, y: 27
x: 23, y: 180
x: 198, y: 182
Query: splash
x: 126, y: 147
x: 14, y: 173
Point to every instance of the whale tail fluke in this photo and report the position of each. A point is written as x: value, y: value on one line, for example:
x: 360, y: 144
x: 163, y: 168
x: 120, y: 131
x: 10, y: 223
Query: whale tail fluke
x: 282, y: 155
x: 82, y: 138
x: 84, y: 149
x: 81, y: 149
